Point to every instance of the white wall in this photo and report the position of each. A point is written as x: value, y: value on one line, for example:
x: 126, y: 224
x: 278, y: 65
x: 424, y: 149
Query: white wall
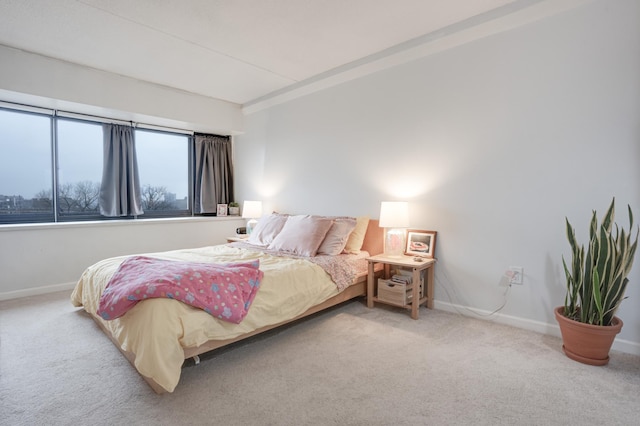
x: 493, y: 143
x: 41, y: 81
x: 41, y: 258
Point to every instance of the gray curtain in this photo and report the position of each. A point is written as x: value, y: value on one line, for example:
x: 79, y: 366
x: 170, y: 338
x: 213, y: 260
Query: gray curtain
x: 120, y: 188
x: 214, y: 172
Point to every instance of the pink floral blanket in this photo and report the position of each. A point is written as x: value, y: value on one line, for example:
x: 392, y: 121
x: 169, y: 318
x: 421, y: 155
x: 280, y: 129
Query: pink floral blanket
x: 225, y: 291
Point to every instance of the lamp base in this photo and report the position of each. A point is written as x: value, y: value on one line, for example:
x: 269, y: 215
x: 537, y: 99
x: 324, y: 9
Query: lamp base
x: 394, y: 243
x: 251, y: 223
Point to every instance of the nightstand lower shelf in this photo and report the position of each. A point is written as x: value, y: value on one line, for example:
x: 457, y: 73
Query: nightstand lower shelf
x: 408, y: 306
x: 416, y: 267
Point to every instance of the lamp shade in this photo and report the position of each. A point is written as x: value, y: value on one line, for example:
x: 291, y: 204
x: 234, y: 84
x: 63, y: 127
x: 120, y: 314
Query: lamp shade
x: 394, y: 214
x: 252, y: 209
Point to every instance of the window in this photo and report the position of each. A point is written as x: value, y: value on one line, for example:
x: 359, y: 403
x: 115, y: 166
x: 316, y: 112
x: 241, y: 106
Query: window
x: 26, y: 178
x: 51, y: 168
x: 163, y: 166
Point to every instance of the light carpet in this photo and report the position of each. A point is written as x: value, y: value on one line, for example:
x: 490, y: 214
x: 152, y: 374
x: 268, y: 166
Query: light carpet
x: 347, y: 366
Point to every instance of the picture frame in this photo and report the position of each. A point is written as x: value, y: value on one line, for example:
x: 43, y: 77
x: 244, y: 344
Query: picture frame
x: 222, y: 210
x: 421, y: 243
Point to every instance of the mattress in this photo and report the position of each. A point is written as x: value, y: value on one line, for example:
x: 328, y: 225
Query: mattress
x: 157, y: 331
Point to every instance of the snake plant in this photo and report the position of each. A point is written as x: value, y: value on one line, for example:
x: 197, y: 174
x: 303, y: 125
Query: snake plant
x: 597, y: 277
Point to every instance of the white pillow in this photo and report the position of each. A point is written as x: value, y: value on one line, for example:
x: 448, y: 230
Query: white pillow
x: 266, y: 229
x: 336, y: 239
x: 301, y: 235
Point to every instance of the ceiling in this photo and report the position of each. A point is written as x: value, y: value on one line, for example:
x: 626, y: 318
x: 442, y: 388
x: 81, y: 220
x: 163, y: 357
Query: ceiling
x: 234, y: 50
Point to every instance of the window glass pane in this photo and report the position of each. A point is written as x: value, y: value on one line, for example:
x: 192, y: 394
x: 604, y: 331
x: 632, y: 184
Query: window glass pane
x: 79, y: 167
x: 25, y: 167
x: 163, y: 164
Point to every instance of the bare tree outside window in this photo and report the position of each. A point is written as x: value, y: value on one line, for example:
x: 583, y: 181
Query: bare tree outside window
x: 78, y: 197
x: 155, y: 198
x: 86, y: 195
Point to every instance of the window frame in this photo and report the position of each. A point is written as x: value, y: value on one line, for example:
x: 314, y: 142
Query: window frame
x: 70, y: 217
x: 155, y: 214
x: 50, y: 217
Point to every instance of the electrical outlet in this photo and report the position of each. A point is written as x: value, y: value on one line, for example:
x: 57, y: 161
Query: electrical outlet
x: 515, y: 274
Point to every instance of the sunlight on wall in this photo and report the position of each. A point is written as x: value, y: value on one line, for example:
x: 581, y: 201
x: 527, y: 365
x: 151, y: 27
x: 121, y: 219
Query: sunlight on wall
x: 267, y: 189
x: 411, y: 181
x: 271, y: 187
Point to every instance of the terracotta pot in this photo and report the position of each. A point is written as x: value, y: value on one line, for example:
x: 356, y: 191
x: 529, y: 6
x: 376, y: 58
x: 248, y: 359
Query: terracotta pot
x: 587, y: 343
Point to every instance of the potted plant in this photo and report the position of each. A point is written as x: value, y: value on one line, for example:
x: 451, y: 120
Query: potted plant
x: 234, y: 209
x: 596, y: 283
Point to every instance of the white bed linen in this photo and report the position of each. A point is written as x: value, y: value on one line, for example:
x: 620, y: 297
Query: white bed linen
x: 157, y: 330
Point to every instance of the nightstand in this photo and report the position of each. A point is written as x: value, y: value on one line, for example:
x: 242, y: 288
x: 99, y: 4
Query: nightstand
x: 237, y: 238
x: 416, y: 267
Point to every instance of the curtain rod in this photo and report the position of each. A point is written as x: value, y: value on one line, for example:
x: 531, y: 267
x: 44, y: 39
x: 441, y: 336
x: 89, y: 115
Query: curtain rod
x: 136, y: 124
x: 89, y: 117
x: 26, y: 108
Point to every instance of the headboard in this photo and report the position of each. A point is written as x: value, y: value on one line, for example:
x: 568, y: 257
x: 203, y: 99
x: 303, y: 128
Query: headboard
x: 374, y: 238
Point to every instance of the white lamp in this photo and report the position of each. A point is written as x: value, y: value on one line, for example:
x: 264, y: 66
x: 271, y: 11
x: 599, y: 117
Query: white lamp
x: 251, y: 210
x: 394, y: 217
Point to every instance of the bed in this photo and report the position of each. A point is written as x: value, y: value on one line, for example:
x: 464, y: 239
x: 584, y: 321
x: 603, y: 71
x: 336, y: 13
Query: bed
x: 156, y: 335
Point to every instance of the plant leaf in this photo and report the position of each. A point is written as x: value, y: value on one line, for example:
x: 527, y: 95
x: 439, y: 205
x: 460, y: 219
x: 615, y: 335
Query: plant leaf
x: 597, y: 275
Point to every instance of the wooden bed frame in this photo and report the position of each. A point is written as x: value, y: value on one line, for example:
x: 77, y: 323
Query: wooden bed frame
x: 373, y: 243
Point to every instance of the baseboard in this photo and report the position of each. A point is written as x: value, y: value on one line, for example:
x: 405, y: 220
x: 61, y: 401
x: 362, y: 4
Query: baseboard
x: 16, y: 294
x: 621, y: 345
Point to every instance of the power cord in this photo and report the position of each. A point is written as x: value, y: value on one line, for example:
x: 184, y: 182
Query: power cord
x: 514, y: 277
x: 505, y: 295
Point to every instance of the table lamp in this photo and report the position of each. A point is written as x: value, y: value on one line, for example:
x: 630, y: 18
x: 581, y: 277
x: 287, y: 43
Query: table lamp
x: 394, y: 217
x: 251, y: 210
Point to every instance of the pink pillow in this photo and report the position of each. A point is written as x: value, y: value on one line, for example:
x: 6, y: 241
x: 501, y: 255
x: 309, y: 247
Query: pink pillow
x: 266, y: 229
x: 301, y: 235
x: 336, y: 239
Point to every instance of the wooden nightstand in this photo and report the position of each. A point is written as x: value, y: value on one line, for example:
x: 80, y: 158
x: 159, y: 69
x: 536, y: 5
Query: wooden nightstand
x: 237, y: 238
x: 416, y: 267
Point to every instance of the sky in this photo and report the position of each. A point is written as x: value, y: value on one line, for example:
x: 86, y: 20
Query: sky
x: 25, y: 155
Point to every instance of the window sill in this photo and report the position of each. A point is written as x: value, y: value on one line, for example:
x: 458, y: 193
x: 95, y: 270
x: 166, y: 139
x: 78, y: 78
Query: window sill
x: 106, y: 223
